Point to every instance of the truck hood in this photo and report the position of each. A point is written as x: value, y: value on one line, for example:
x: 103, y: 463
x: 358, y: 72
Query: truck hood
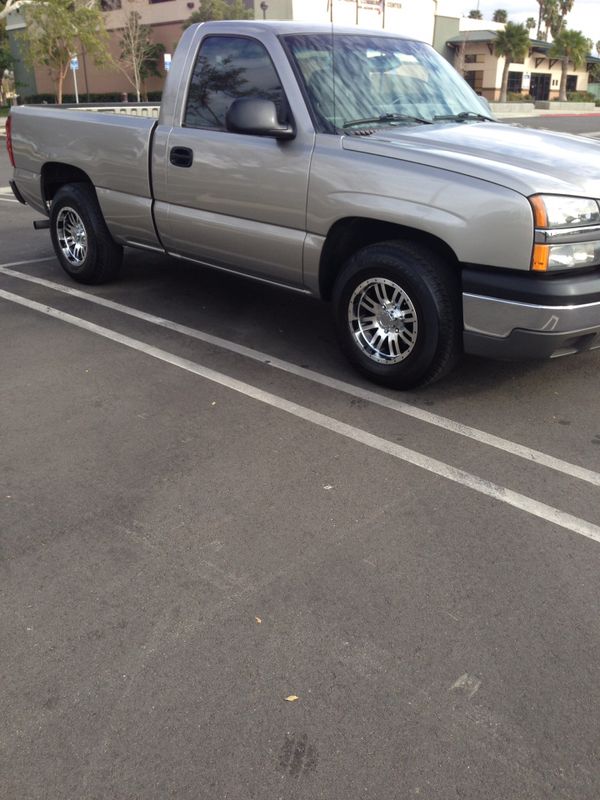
x: 522, y: 159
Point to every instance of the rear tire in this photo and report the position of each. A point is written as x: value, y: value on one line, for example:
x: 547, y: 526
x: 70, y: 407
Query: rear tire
x: 82, y: 242
x: 397, y: 314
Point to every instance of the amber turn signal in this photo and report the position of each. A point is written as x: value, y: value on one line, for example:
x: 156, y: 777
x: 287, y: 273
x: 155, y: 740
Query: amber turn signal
x: 540, y: 215
x: 540, y: 258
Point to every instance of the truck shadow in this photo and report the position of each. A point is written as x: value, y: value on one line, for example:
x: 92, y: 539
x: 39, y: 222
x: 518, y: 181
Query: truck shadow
x: 299, y: 328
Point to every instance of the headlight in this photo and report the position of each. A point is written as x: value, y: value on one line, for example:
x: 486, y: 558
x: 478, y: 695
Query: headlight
x: 567, y: 232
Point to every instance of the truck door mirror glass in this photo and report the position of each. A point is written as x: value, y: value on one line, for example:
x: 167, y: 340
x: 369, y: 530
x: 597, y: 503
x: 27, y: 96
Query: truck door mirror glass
x: 253, y: 115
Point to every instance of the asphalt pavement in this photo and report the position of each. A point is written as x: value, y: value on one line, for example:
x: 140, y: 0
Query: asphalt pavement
x: 205, y: 513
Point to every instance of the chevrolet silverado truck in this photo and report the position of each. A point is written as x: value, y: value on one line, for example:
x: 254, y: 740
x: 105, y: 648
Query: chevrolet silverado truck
x: 350, y: 164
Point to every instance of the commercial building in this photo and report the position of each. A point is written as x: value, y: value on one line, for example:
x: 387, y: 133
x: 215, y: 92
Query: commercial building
x: 538, y: 75
x: 467, y: 43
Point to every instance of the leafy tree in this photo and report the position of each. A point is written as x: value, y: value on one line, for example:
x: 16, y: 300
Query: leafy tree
x: 569, y: 46
x: 57, y: 30
x: 139, y: 55
x: 513, y: 44
x: 530, y: 24
x: 475, y: 13
x: 500, y: 15
x: 152, y: 66
x: 220, y: 9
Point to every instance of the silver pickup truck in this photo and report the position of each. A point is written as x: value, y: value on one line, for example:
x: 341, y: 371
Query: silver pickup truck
x: 349, y: 164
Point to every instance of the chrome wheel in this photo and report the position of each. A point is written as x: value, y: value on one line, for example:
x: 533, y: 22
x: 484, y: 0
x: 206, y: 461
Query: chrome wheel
x: 72, y: 236
x: 383, y: 320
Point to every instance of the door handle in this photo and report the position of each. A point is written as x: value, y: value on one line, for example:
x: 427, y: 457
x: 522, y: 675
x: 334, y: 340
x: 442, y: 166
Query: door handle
x: 181, y: 156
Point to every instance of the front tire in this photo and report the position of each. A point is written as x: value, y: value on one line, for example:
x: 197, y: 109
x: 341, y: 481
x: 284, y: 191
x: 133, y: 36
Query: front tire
x: 81, y: 240
x: 397, y: 314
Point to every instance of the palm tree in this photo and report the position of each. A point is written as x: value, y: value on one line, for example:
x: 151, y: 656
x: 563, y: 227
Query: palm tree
x: 568, y: 46
x: 475, y: 13
x: 548, y: 13
x: 557, y: 19
x: 513, y: 44
x: 530, y: 24
x: 500, y: 15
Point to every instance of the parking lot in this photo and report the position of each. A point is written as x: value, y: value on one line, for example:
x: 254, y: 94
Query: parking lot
x: 204, y: 511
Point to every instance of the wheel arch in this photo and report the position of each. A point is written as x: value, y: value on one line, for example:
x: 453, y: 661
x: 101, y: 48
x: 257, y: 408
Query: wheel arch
x: 350, y: 234
x: 56, y: 174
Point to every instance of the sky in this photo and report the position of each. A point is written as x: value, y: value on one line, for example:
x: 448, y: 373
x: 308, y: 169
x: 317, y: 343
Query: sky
x: 584, y: 17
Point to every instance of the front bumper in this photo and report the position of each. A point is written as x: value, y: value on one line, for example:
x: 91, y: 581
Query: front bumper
x: 513, y: 316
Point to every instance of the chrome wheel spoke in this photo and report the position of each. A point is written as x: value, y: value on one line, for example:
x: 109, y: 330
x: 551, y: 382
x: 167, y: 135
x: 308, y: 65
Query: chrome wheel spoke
x: 407, y: 336
x: 369, y: 304
x: 380, y: 293
x: 378, y: 339
x: 394, y: 345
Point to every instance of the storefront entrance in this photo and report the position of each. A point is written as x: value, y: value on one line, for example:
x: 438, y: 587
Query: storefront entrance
x: 539, y: 88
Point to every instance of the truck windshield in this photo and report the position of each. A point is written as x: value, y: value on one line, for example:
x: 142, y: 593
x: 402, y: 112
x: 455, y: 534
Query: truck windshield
x: 356, y: 82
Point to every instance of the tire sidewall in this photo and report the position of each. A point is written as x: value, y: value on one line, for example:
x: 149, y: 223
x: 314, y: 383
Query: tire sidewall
x: 397, y: 266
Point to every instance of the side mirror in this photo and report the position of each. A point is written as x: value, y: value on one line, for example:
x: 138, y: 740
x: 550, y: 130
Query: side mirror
x: 256, y: 116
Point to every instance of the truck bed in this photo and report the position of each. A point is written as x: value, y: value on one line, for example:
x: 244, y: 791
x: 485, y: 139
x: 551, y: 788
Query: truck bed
x: 113, y: 150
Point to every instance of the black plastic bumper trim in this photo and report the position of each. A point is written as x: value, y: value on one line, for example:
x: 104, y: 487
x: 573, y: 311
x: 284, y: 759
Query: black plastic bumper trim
x: 525, y: 345
x: 527, y: 287
x: 17, y: 193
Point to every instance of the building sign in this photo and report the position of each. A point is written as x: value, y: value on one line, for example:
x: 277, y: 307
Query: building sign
x: 526, y: 84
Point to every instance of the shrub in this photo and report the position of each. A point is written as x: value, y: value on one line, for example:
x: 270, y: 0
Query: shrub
x: 517, y: 97
x: 105, y: 97
x: 580, y: 97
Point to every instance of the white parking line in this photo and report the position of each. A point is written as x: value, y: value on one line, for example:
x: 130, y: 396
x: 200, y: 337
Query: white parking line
x: 489, y: 439
x: 495, y: 491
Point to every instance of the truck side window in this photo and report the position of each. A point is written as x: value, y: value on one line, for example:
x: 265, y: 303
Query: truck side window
x: 229, y: 67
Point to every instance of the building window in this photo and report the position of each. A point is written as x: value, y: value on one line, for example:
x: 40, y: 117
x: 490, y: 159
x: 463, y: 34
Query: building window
x: 515, y: 82
x: 475, y: 79
x: 229, y: 67
x: 571, y: 83
x: 470, y: 58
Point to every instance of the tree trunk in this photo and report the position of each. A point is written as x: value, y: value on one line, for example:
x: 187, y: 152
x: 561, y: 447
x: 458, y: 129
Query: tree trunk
x: 562, y: 93
x: 504, y: 86
x: 59, y: 88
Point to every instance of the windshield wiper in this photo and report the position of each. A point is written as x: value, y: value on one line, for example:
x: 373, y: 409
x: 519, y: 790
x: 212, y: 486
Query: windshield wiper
x: 464, y: 116
x: 386, y: 118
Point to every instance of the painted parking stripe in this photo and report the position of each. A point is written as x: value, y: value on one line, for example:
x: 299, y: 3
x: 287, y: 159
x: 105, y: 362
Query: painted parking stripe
x: 6, y: 194
x: 489, y: 439
x: 432, y: 465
